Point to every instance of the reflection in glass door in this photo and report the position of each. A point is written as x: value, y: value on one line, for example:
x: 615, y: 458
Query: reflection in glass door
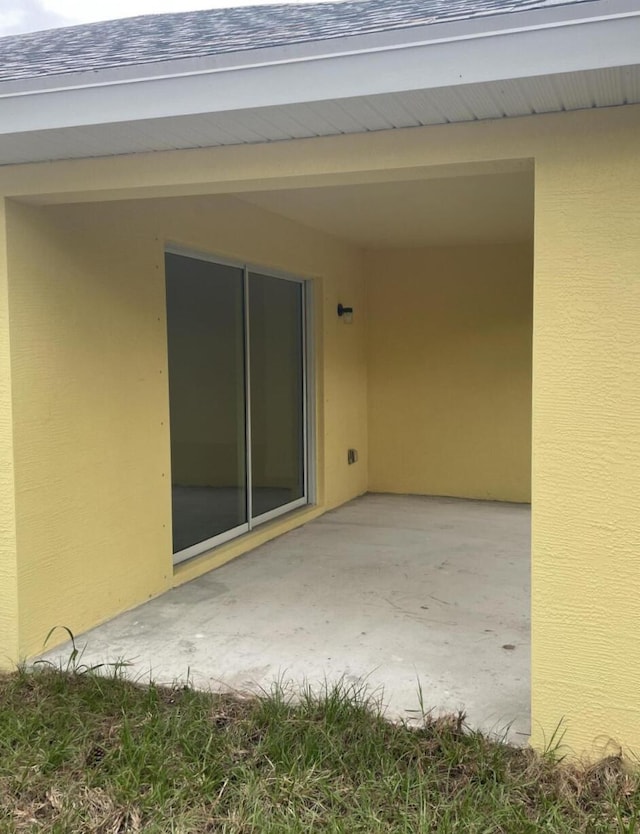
x: 205, y: 336
x: 276, y: 339
x: 237, y: 394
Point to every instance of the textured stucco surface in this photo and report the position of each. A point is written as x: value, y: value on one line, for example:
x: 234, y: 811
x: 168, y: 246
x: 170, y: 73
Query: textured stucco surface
x: 449, y: 358
x: 586, y: 373
x: 586, y: 438
x: 8, y: 563
x: 91, y: 402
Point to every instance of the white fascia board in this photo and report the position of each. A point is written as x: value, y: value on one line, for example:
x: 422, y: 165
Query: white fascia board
x: 608, y: 37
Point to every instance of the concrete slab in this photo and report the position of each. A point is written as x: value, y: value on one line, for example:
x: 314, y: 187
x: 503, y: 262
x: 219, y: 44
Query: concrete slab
x: 404, y: 592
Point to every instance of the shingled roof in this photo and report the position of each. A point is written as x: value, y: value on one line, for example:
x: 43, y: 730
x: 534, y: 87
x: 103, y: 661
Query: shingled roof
x: 169, y: 37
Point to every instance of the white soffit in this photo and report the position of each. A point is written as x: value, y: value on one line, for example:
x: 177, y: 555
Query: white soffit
x: 394, y: 80
x: 514, y: 97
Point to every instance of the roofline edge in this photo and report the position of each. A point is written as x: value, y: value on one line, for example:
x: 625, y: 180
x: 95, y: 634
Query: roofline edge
x: 547, y: 48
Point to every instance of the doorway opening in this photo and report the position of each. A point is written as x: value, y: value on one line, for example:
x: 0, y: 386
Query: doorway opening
x: 238, y: 397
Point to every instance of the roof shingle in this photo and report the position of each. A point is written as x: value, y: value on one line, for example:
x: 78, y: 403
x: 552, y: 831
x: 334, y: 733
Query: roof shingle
x: 199, y: 34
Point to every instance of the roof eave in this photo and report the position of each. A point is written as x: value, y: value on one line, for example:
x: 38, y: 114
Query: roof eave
x: 542, y: 42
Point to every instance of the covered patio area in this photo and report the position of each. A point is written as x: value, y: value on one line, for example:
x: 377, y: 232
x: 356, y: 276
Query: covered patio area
x: 408, y: 594
x: 284, y: 280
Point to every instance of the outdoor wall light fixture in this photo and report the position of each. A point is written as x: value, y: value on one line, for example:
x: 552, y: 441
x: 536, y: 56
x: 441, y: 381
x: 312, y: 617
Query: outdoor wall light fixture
x: 345, y: 313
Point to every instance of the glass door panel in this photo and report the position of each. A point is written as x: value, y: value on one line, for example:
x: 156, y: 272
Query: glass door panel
x: 206, y: 346
x: 276, y: 350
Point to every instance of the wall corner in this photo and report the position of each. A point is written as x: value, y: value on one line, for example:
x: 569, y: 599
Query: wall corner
x: 8, y: 550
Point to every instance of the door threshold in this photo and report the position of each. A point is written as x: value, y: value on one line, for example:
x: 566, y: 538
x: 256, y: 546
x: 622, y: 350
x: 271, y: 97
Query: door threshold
x: 222, y: 553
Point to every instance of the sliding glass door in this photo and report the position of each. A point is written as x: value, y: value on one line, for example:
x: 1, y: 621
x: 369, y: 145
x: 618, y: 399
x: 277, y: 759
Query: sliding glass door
x: 237, y: 395
x: 205, y: 333
x: 276, y: 339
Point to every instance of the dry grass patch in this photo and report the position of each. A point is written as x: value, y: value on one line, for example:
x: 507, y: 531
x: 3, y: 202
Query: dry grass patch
x: 99, y: 755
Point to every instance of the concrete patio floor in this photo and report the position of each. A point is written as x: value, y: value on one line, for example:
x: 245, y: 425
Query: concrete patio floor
x: 405, y: 592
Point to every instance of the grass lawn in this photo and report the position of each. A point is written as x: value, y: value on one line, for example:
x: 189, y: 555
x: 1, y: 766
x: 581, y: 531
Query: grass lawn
x: 84, y: 753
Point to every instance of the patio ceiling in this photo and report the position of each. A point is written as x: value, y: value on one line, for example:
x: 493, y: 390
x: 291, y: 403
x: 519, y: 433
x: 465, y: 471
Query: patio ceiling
x: 477, y: 209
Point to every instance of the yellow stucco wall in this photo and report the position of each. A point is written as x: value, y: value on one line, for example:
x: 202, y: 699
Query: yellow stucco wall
x: 90, y: 395
x: 586, y: 373
x: 586, y: 440
x: 449, y: 347
x: 8, y: 561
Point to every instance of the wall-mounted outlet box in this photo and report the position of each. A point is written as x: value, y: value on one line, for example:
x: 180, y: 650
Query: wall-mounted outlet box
x: 352, y: 456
